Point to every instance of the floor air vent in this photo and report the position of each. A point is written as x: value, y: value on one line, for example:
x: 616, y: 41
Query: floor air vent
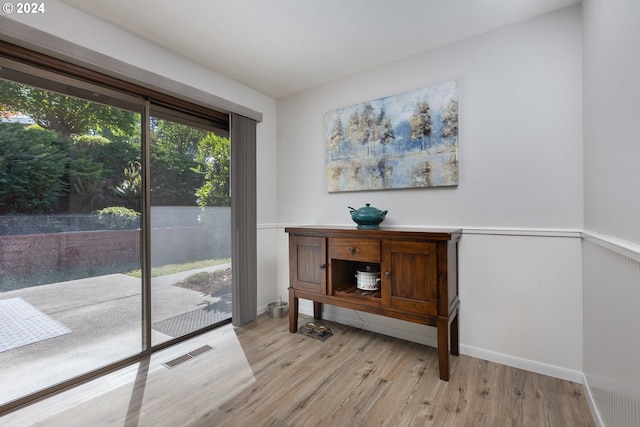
x: 181, y: 359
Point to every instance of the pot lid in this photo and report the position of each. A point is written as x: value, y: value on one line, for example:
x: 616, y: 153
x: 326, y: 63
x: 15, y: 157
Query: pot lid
x: 369, y: 269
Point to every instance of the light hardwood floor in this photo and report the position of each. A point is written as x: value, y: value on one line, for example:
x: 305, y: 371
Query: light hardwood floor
x: 262, y: 375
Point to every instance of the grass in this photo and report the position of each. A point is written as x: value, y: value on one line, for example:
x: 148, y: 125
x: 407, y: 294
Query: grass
x: 177, y: 268
x: 11, y: 283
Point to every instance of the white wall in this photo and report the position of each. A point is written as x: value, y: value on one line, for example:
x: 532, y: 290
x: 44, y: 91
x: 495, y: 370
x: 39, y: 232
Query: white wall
x: 520, y: 96
x: 84, y: 30
x: 520, y: 133
x: 612, y: 209
x: 522, y: 299
x: 611, y: 123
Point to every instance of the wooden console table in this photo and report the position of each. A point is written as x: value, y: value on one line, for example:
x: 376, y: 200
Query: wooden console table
x: 418, y: 269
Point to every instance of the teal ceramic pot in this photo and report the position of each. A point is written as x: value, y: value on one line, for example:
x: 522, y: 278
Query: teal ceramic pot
x: 368, y: 217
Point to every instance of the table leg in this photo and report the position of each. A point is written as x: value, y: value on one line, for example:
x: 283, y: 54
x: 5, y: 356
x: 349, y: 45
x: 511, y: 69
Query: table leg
x: 455, y: 349
x: 443, y: 347
x: 317, y: 310
x: 293, y: 312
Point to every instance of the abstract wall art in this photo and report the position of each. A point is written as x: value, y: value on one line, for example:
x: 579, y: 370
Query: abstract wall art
x: 408, y: 140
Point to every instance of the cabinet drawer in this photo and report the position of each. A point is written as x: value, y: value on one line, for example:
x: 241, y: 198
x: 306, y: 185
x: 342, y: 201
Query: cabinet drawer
x: 354, y: 249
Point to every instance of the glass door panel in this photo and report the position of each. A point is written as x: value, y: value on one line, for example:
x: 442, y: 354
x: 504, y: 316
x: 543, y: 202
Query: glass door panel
x: 190, y: 228
x: 70, y: 203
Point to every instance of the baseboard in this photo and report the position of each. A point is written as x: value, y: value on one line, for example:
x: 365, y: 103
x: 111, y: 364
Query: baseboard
x: 592, y: 403
x: 526, y: 364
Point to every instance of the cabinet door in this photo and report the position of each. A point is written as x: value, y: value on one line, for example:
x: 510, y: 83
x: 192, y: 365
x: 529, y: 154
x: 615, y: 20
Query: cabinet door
x: 409, y: 276
x: 307, y: 263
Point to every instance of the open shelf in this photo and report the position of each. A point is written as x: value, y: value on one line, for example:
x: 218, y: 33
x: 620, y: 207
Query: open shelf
x: 355, y: 292
x: 344, y: 281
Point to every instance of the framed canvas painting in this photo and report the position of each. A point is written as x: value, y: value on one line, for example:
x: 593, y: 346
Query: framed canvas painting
x: 408, y: 140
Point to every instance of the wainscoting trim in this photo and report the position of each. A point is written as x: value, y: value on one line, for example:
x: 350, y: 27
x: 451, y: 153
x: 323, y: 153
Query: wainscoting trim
x: 621, y: 247
x: 489, y: 231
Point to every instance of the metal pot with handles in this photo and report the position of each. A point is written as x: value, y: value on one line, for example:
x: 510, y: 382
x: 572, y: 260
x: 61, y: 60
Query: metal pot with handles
x: 368, y: 279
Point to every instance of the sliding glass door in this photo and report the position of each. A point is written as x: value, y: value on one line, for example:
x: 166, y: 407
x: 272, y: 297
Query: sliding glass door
x: 69, y: 232
x: 115, y: 228
x: 190, y: 226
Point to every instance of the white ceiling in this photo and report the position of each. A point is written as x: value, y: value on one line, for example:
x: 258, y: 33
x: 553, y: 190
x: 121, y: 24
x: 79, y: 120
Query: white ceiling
x: 281, y: 47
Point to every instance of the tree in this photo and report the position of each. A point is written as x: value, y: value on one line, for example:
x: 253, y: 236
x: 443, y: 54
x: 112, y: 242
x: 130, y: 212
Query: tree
x: 130, y: 189
x: 450, y: 120
x: 103, y: 150
x: 421, y: 124
x: 175, y: 171
x: 366, y: 128
x: 214, y: 153
x: 93, y: 163
x: 174, y: 178
x: 65, y: 115
x: 335, y: 140
x: 182, y: 139
x: 384, y: 129
x: 96, y: 168
x: 85, y: 177
x: 353, y: 126
x: 32, y: 169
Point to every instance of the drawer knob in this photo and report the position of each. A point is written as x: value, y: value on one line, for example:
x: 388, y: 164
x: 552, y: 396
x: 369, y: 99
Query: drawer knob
x: 322, y: 266
x: 387, y: 274
x: 352, y: 250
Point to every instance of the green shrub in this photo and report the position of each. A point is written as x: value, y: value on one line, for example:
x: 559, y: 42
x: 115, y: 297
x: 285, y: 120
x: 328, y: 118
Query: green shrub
x: 198, y: 278
x: 118, y: 218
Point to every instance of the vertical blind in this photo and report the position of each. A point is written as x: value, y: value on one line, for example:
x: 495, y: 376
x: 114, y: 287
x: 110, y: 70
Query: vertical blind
x: 243, y: 219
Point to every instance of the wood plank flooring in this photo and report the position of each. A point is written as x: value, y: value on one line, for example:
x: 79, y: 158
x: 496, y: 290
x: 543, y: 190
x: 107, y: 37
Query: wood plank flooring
x: 262, y: 375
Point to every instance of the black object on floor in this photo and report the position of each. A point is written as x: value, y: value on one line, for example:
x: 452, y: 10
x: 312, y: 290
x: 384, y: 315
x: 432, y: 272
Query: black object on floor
x: 315, y: 330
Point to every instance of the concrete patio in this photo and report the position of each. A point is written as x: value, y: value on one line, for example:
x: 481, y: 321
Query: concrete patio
x: 104, y: 314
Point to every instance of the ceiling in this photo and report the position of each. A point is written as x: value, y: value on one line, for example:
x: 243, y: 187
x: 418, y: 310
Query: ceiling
x: 280, y: 47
